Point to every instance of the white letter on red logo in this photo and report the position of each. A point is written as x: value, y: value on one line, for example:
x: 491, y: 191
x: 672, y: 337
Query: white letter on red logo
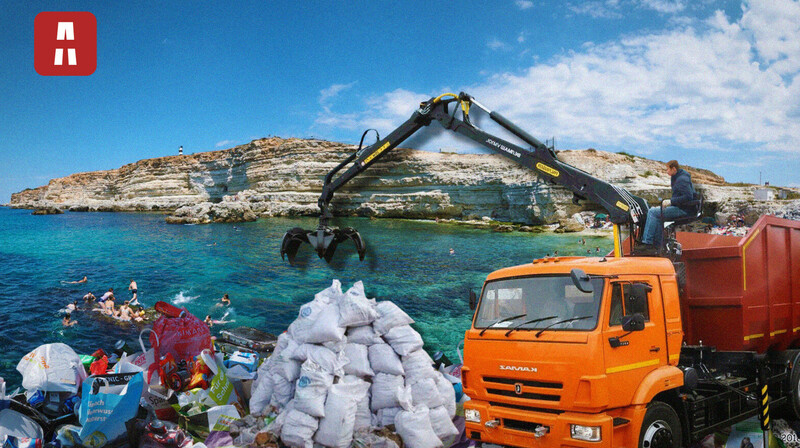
x: 66, y: 31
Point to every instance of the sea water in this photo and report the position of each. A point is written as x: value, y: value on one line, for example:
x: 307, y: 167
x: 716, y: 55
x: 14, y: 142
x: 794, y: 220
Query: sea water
x: 192, y: 266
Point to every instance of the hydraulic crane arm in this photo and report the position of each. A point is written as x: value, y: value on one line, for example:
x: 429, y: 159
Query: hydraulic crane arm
x: 622, y: 206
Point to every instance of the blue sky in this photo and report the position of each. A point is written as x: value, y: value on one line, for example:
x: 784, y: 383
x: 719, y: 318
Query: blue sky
x: 714, y: 84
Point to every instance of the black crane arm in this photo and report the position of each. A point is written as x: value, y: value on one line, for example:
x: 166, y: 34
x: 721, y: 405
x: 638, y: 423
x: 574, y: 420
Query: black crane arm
x: 622, y: 206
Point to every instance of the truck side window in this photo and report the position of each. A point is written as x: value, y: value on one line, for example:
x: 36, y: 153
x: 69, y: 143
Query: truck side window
x: 624, y: 303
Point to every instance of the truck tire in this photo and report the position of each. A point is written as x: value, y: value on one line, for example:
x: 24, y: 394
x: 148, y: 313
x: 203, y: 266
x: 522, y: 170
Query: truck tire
x: 793, y: 406
x: 661, y: 427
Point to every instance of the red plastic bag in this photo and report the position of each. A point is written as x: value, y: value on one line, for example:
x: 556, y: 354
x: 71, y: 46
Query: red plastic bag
x: 179, y: 332
x: 100, y: 366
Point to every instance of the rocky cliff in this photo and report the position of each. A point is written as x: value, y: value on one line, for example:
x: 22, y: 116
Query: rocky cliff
x: 277, y: 176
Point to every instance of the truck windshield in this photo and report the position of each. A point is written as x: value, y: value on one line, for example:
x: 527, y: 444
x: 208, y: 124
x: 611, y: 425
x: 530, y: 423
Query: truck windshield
x: 539, y: 297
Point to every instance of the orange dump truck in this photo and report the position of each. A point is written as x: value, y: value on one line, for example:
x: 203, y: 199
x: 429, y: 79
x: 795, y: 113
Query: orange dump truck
x: 638, y: 351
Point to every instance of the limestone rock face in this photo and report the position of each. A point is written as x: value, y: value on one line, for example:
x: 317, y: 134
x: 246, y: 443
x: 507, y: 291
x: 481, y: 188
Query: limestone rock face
x: 283, y: 177
x: 207, y: 212
x: 48, y: 211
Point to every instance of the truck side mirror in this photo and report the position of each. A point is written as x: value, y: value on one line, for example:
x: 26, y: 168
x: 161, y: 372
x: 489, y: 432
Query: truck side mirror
x: 473, y: 300
x: 633, y: 322
x: 581, y: 281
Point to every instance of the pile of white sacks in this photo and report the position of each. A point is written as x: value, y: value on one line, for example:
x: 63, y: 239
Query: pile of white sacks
x: 349, y: 364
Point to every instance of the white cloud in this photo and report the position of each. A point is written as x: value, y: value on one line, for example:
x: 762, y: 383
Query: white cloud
x: 326, y: 95
x: 715, y: 84
x: 496, y: 44
x: 521, y: 38
x: 665, y: 6
x: 523, y: 4
x: 222, y: 143
x: 608, y: 9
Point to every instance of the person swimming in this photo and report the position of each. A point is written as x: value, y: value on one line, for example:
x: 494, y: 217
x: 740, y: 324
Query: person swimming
x: 67, y: 321
x: 83, y: 280
x: 72, y: 306
x: 89, y: 297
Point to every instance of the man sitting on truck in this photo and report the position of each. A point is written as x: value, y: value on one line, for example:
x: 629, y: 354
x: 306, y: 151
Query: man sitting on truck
x: 681, y: 204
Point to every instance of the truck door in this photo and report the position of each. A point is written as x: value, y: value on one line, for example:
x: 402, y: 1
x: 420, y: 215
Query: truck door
x: 629, y: 357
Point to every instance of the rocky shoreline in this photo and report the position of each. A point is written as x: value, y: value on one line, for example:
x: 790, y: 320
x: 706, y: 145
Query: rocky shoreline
x: 283, y: 177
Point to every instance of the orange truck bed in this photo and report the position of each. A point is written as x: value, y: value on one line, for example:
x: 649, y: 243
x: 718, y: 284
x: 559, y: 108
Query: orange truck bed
x: 743, y: 293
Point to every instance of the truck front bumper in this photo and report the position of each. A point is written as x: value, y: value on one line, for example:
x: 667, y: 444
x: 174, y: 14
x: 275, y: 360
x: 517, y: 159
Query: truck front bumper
x: 523, y: 427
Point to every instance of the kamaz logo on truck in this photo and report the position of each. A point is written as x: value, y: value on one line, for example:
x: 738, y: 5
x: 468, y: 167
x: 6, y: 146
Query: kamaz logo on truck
x: 519, y: 368
x: 503, y: 147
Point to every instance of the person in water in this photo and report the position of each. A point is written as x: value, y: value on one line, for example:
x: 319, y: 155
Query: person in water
x: 72, y: 306
x: 89, y: 297
x: 133, y: 288
x: 208, y: 321
x: 83, y: 280
x: 225, y: 300
x: 125, y: 312
x: 67, y: 321
x: 107, y: 295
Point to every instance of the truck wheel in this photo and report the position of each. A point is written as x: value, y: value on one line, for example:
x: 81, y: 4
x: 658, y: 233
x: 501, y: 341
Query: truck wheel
x: 661, y: 427
x: 794, y: 402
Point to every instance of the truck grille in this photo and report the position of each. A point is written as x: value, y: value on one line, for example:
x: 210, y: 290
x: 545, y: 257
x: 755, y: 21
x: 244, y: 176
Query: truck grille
x: 520, y: 425
x: 525, y: 384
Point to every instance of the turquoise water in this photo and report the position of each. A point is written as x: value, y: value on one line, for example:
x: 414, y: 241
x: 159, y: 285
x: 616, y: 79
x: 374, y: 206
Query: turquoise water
x: 407, y: 262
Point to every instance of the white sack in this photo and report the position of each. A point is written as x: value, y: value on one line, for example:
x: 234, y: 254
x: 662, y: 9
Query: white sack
x: 426, y: 393
x: 336, y: 346
x: 386, y: 390
x: 282, y: 391
x: 403, y: 339
x: 331, y: 294
x: 261, y: 395
x: 283, y: 342
x: 311, y: 389
x: 383, y: 359
x: 363, y: 418
x: 336, y: 428
x: 385, y: 417
x: 358, y: 356
x: 442, y: 424
x: 418, y: 365
x: 289, y: 369
x: 390, y: 316
x: 298, y: 428
x: 52, y: 368
x: 355, y: 309
x: 447, y: 393
x: 277, y: 424
x: 364, y: 334
x: 329, y: 361
x: 414, y: 427
x: 317, y: 322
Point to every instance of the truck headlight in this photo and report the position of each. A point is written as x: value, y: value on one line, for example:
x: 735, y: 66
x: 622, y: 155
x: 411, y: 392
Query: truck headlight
x: 472, y: 415
x: 587, y: 433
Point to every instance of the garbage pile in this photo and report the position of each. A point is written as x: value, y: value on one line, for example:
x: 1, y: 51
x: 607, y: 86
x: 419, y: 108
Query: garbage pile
x: 348, y: 364
x: 348, y: 372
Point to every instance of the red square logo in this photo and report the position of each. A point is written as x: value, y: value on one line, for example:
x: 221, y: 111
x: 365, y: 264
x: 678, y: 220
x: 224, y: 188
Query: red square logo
x: 65, y: 43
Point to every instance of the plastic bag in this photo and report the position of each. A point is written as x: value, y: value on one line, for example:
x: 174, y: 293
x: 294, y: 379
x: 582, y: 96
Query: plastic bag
x: 383, y: 359
x: 365, y: 438
x: 179, y: 332
x: 298, y: 429
x: 13, y: 423
x: 364, y: 334
x: 355, y: 309
x: 403, y: 339
x: 442, y: 424
x: 414, y: 427
x: 390, y: 316
x: 317, y: 322
x: 385, y: 391
x: 426, y: 393
x: 336, y: 428
x: 311, y: 389
x: 107, y: 402
x: 52, y: 368
x: 358, y: 356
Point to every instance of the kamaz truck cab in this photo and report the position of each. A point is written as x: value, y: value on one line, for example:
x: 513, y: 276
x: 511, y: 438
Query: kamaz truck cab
x: 555, y: 346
